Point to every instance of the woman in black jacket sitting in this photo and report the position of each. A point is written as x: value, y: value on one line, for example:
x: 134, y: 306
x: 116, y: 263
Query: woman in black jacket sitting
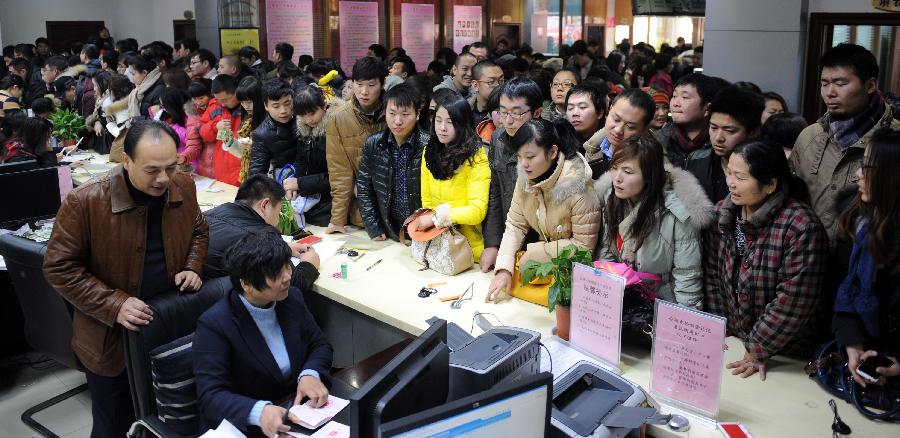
x: 311, y: 178
x: 866, y: 321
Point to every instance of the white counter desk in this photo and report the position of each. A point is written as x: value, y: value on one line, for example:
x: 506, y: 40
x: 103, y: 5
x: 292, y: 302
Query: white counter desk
x: 373, y: 309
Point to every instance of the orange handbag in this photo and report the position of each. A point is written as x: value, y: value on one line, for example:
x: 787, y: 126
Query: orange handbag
x: 536, y: 291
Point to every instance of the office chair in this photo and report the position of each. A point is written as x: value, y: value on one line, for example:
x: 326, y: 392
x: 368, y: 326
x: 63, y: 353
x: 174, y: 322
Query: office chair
x: 168, y: 336
x: 48, y: 317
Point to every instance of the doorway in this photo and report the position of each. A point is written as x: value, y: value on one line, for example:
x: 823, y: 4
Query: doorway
x: 63, y: 33
x: 184, y: 29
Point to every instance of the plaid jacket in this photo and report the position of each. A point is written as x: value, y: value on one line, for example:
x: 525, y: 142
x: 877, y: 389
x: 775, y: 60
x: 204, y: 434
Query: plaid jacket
x: 773, y: 294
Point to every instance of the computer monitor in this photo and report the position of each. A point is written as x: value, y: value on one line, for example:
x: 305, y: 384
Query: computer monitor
x: 18, y: 166
x: 416, y: 379
x: 520, y: 409
x: 29, y: 195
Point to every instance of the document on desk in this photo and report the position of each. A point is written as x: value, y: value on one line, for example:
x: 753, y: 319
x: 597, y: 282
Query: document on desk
x: 225, y: 430
x: 204, y: 183
x: 330, y: 430
x: 563, y: 356
x: 313, y: 418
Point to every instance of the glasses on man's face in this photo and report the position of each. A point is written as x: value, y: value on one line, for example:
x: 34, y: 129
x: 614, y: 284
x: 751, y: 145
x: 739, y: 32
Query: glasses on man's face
x: 563, y: 85
x: 493, y: 82
x: 514, y: 116
x: 195, y: 61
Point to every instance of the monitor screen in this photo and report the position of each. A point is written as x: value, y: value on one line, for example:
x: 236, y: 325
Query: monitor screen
x: 514, y: 411
x: 29, y: 195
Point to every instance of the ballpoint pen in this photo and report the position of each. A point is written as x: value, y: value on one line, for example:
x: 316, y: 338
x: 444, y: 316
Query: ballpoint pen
x: 374, y: 264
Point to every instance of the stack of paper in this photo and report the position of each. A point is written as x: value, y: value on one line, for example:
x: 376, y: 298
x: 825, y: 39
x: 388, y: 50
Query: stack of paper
x: 312, y: 418
x: 225, y: 430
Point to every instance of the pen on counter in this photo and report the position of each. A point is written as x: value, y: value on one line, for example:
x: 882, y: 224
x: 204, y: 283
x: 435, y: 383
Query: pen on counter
x: 357, y: 259
x: 374, y: 264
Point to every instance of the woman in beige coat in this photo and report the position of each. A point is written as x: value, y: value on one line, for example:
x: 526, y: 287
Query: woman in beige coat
x: 554, y: 196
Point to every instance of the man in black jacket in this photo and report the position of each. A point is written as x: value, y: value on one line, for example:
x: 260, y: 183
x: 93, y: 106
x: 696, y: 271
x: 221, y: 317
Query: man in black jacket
x: 389, y: 183
x: 274, y: 140
x: 255, y: 210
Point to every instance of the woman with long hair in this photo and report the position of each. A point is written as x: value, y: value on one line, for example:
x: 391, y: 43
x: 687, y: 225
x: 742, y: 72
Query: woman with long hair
x: 653, y: 214
x: 866, y: 321
x: 249, y: 93
x: 456, y: 176
x: 765, y: 263
x: 171, y: 107
x: 554, y: 196
x: 32, y: 143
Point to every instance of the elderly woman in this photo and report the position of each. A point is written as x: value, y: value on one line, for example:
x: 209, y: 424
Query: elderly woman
x: 259, y: 344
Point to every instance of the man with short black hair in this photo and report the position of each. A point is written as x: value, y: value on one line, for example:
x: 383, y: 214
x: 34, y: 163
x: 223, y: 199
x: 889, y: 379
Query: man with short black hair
x: 119, y: 240
x: 520, y: 101
x: 274, y: 140
x: 389, y: 171
x: 42, y: 47
x: 486, y: 76
x: 460, y: 77
x: 282, y: 61
x: 203, y: 65
x: 402, y: 67
x: 378, y: 51
x: 181, y: 53
x: 827, y: 154
x: 734, y: 116
x: 581, y: 60
x: 223, y: 115
x: 346, y: 130
x: 479, y: 50
x: 256, y: 209
x: 250, y: 57
x: 629, y: 115
x: 689, y: 130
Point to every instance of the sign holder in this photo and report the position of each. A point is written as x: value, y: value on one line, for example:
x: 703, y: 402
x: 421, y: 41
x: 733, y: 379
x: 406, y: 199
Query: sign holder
x: 596, y: 323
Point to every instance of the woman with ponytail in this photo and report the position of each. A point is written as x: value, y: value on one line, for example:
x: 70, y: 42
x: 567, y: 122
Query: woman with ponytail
x: 766, y: 261
x: 554, y: 196
x: 866, y: 319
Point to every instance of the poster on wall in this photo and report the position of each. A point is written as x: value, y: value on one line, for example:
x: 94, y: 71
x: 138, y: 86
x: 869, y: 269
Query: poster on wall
x: 290, y: 21
x: 417, y: 32
x: 232, y: 40
x: 466, y: 26
x: 359, y: 30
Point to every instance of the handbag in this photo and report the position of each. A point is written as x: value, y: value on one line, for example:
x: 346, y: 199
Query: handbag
x: 444, y: 250
x: 117, y: 149
x: 536, y: 291
x: 829, y: 368
x: 637, y: 303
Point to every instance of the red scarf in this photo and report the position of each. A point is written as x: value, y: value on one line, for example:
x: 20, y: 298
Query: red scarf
x: 691, y: 145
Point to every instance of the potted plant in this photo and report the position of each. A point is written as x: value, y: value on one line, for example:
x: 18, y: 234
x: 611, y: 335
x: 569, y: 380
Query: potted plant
x: 559, y: 297
x: 66, y: 125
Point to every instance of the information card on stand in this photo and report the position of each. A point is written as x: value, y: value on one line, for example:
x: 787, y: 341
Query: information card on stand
x: 688, y: 358
x: 596, y: 324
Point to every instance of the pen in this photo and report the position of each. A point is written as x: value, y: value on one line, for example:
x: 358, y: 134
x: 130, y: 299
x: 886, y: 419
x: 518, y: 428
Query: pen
x: 374, y: 264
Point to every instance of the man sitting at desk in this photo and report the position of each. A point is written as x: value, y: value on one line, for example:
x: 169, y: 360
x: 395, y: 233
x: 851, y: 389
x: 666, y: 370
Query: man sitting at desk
x: 255, y: 210
x: 119, y: 240
x: 259, y: 344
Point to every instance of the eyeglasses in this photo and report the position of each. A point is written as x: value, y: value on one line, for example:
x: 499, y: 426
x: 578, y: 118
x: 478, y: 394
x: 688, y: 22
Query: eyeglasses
x: 514, y: 116
x: 493, y: 82
x: 562, y: 84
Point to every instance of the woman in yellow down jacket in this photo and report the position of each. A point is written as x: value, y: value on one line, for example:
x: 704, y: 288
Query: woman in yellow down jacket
x: 456, y: 176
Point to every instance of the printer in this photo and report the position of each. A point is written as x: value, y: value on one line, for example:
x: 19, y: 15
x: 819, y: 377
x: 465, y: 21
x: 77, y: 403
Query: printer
x: 499, y: 355
x: 589, y: 401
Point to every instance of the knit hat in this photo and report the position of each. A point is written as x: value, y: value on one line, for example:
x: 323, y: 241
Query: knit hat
x: 659, y: 96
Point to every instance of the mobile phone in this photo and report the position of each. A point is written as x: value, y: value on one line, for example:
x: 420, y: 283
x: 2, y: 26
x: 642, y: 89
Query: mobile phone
x: 866, y: 370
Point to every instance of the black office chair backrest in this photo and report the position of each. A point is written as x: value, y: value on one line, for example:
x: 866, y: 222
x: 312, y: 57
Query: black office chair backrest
x: 175, y: 315
x: 48, y: 317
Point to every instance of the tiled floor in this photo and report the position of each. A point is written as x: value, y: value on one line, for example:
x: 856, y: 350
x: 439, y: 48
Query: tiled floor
x: 70, y: 418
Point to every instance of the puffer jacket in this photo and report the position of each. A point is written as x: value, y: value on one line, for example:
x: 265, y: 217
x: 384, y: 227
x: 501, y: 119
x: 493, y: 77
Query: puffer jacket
x: 461, y: 200
x: 310, y: 161
x: 346, y: 132
x: 503, y: 184
x: 226, y: 166
x: 196, y: 152
x: 274, y: 145
x: 563, y: 209
x: 673, y: 250
x: 818, y: 160
x: 773, y: 294
x: 376, y: 176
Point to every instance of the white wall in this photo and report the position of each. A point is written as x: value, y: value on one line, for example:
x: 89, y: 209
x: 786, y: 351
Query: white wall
x: 144, y: 20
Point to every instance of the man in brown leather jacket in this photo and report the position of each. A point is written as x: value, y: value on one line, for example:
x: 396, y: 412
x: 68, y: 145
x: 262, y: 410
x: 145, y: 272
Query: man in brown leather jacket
x: 118, y: 240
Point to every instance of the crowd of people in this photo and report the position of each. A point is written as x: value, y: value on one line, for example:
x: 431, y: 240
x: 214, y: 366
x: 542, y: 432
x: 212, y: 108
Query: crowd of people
x: 790, y: 230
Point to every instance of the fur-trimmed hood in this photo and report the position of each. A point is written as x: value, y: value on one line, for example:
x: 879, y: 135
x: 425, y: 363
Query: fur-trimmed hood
x: 570, y: 178
x: 75, y: 71
x: 318, y: 130
x: 685, y: 197
x: 118, y: 105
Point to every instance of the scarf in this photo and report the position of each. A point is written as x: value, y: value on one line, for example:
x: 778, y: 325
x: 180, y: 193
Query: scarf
x: 855, y: 294
x: 848, y: 131
x: 689, y: 145
x: 137, y: 95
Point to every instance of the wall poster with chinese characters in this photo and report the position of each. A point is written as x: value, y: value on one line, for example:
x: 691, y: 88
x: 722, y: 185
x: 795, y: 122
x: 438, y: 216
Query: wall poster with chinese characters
x: 688, y: 357
x: 596, y: 323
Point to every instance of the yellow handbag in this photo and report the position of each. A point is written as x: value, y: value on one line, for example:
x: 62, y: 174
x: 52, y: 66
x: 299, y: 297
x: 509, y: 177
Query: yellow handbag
x: 536, y: 291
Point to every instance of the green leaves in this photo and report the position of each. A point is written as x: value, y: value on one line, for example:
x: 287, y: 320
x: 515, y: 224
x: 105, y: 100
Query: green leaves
x: 560, y: 267
x: 66, y: 124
